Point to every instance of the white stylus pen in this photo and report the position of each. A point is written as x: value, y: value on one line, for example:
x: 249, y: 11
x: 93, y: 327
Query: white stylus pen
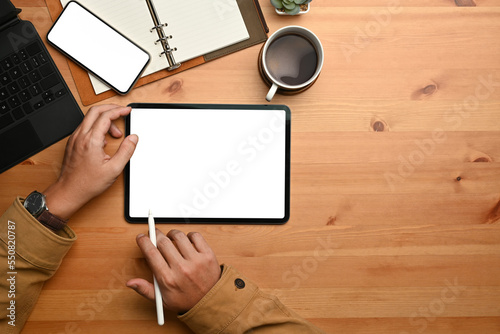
x: 158, y: 297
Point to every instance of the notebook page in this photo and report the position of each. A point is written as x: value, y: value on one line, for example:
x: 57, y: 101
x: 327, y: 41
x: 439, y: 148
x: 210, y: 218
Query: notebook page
x: 201, y: 26
x: 132, y: 19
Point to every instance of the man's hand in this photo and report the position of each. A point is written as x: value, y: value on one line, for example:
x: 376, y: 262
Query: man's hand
x: 87, y: 170
x: 184, y: 266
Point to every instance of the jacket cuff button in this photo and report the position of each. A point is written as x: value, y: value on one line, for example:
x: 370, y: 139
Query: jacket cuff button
x: 240, y: 284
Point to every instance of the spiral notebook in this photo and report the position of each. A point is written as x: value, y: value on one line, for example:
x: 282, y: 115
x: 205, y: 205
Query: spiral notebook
x: 171, y: 31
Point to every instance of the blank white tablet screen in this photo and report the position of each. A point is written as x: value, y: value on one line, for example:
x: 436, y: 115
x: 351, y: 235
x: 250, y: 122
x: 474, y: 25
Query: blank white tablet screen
x: 199, y: 163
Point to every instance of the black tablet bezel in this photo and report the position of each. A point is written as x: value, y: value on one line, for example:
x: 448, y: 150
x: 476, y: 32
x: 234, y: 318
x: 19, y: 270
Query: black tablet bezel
x: 181, y: 220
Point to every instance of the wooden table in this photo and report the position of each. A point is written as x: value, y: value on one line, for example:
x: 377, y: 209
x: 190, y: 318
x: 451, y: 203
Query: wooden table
x: 395, y: 191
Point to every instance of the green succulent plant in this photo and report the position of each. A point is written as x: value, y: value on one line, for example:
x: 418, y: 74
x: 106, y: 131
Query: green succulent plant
x: 291, y: 7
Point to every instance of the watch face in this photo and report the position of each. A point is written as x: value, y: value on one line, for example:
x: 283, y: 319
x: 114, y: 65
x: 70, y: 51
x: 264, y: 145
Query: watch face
x: 34, y: 203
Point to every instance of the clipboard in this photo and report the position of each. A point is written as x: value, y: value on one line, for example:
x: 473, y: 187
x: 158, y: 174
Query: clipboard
x: 252, y: 16
x: 209, y: 164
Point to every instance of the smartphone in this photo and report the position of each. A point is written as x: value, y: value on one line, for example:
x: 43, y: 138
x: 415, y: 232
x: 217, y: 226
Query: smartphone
x: 98, y: 47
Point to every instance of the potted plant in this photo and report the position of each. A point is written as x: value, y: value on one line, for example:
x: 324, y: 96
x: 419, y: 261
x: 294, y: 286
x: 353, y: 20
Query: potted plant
x: 291, y: 7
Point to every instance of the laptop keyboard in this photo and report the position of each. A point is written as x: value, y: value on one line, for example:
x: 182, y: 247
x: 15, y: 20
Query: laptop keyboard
x: 28, y: 81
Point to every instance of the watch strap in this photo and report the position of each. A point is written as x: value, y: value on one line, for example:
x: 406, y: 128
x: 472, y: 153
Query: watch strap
x: 51, y: 221
x: 7, y: 11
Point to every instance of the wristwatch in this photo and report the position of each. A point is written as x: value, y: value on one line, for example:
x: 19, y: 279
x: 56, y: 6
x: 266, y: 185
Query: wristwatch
x: 35, y: 204
x: 37, y: 207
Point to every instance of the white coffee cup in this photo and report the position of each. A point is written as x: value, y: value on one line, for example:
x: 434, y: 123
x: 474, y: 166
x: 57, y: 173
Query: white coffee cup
x: 291, y: 66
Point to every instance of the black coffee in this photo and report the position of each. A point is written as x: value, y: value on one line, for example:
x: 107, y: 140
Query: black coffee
x: 291, y: 59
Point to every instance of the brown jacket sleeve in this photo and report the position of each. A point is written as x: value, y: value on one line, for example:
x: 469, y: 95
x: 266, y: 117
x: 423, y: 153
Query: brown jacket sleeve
x: 30, y: 254
x: 236, y: 305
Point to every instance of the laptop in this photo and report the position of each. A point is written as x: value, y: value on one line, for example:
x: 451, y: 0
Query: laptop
x: 36, y: 107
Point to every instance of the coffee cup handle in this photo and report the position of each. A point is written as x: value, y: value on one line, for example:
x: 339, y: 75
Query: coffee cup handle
x: 271, y: 92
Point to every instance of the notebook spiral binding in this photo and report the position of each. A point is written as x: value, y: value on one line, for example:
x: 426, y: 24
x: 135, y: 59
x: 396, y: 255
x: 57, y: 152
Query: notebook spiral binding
x: 162, y: 38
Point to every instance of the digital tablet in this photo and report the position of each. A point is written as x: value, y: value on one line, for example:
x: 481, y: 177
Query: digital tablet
x: 207, y: 163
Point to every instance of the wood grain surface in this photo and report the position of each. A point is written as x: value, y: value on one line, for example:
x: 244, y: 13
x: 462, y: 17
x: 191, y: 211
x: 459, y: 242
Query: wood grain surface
x: 395, y: 183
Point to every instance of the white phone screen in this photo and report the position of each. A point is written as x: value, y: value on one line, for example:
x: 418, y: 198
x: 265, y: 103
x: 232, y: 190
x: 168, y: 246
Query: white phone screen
x: 97, y: 47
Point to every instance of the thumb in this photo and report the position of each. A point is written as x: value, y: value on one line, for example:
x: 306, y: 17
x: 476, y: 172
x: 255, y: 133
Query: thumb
x: 142, y: 287
x: 125, y: 151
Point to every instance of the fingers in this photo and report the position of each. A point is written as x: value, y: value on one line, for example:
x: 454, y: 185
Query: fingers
x: 94, y: 113
x: 152, y: 255
x: 142, y: 287
x: 99, y: 120
x: 183, y: 282
x: 168, y: 249
x: 182, y: 242
x: 115, y: 131
x: 124, y: 153
x: 199, y: 242
x: 168, y: 254
x: 105, y: 120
